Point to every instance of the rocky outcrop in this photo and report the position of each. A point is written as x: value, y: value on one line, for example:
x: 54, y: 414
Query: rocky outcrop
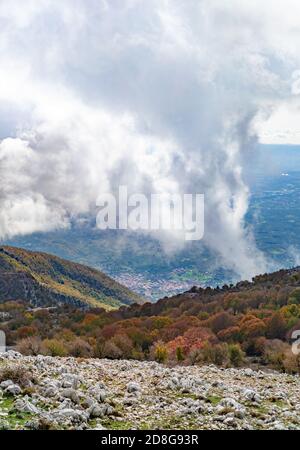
x: 65, y: 393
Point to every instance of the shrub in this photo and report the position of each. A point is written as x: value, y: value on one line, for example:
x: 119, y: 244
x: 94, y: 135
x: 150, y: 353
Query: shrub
x: 291, y: 311
x: 276, y: 327
x: 26, y: 331
x: 236, y: 354
x: 221, y: 321
x: 179, y: 354
x: 159, y: 352
x: 138, y: 354
x: 252, y: 326
x: 291, y: 362
x: 111, y: 350
x: 274, y: 353
x: 54, y: 347
x: 124, y: 343
x: 79, y: 348
x: 177, y: 348
x: 294, y: 297
x: 230, y: 334
x: 255, y: 347
x: 215, y: 354
x: 30, y: 346
x: 98, y: 348
x: 195, y: 357
x: 17, y: 374
x: 44, y: 424
x: 203, y: 315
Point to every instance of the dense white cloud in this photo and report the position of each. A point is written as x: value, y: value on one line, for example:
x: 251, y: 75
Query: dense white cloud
x: 158, y: 95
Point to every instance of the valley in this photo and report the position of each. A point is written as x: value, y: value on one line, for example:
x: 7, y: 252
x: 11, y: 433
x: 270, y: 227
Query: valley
x: 141, y: 263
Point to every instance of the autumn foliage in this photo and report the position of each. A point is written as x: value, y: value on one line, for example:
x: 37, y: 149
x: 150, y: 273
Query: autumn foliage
x: 229, y: 326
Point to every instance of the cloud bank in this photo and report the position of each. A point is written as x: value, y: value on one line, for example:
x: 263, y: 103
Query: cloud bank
x: 158, y: 95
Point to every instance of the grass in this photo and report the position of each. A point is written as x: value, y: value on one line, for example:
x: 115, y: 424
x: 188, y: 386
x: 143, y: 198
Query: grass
x: 214, y: 399
x: 15, y: 419
x: 117, y: 424
x: 279, y: 403
x: 260, y: 410
x: 180, y: 395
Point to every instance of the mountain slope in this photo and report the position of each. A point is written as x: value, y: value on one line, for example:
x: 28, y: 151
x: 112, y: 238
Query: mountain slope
x: 251, y: 323
x: 44, y: 279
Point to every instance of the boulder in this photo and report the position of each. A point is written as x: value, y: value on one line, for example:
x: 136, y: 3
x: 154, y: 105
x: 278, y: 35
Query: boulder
x: 24, y: 405
x: 50, y: 391
x: 100, y: 410
x: 11, y: 355
x: 251, y: 396
x: 87, y: 402
x: 71, y: 394
x: 6, y: 383
x: 70, y: 380
x: 133, y: 387
x: 69, y: 414
x: 13, y: 389
x: 231, y: 404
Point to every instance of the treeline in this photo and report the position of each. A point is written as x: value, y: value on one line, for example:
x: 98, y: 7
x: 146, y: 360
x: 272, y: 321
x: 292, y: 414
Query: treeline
x: 222, y: 326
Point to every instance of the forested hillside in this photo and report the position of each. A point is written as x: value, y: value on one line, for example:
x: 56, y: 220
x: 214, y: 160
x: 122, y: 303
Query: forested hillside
x: 40, y: 279
x: 233, y: 325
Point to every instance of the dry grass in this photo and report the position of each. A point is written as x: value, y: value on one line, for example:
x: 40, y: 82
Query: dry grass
x: 17, y: 374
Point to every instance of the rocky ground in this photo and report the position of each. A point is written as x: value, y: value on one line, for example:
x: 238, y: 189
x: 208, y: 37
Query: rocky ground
x: 66, y: 393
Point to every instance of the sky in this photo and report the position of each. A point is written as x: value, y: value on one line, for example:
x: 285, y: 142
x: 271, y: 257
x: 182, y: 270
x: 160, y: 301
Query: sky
x: 162, y: 96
